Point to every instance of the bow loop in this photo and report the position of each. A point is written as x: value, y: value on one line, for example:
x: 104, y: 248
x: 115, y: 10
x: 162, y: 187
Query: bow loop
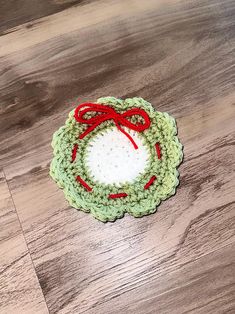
x: 104, y: 113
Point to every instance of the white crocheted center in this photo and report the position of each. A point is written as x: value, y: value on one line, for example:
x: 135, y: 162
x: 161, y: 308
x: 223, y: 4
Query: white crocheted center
x: 112, y: 158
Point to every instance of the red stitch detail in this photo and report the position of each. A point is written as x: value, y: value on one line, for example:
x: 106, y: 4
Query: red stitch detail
x: 74, y: 152
x: 86, y: 186
x: 158, y: 149
x: 105, y: 113
x: 147, y: 185
x: 118, y: 195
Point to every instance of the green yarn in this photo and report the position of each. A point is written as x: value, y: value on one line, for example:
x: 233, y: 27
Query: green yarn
x: 139, y: 201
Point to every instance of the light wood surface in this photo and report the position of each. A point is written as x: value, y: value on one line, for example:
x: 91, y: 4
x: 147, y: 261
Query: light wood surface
x: 179, y: 55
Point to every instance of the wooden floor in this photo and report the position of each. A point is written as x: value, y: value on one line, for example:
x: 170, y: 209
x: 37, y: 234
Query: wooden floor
x: 179, y: 55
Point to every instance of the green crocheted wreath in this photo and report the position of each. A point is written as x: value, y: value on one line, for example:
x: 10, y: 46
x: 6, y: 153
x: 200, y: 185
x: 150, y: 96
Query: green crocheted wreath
x: 116, y: 156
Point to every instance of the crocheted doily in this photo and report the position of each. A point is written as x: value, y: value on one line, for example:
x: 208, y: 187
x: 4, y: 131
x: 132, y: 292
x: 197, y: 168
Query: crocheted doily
x: 116, y: 156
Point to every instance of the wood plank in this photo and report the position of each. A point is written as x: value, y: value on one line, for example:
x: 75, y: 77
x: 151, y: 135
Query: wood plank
x: 177, y: 55
x: 79, y: 18
x: 19, y: 288
x: 14, y: 13
x: 206, y: 285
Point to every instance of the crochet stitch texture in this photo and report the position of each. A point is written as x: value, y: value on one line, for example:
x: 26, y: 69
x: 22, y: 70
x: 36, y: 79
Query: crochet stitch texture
x: 107, y: 202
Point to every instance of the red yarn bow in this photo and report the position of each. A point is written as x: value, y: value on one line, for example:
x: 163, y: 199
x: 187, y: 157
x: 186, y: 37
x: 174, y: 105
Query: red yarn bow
x: 105, y: 113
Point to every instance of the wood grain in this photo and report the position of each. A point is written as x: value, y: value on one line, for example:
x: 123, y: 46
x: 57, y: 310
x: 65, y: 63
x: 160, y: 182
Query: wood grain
x: 14, y: 13
x: 179, y: 55
x: 20, y: 291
